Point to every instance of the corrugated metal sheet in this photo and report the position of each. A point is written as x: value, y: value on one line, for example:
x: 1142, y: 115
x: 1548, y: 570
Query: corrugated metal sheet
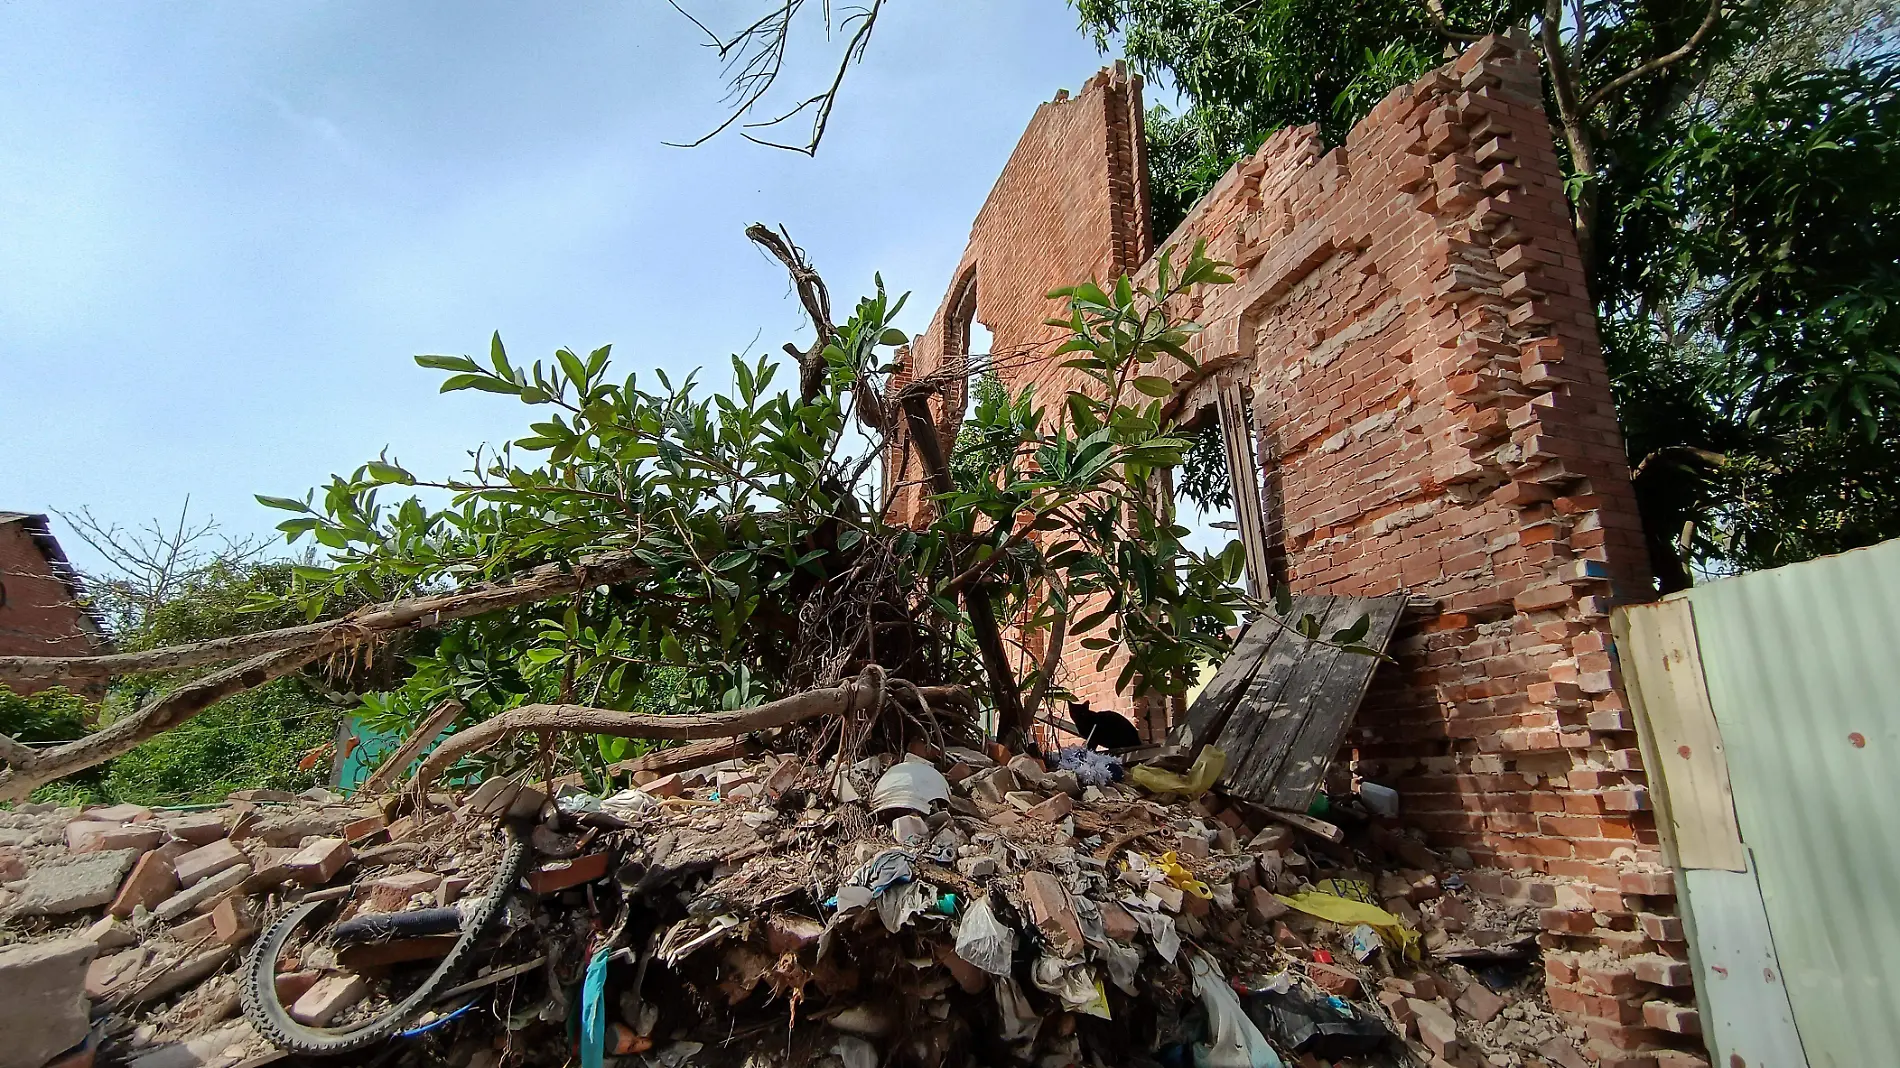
x: 1803, y: 670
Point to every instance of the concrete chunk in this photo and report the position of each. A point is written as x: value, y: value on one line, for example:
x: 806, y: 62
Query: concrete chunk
x: 43, y: 1012
x: 77, y: 881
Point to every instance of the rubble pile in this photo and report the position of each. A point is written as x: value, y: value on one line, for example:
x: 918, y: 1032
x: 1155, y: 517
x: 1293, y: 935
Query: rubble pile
x: 952, y: 907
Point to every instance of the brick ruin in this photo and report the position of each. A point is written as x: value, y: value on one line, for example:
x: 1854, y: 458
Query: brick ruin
x: 1430, y: 413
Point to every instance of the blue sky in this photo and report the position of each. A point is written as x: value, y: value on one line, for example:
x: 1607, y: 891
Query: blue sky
x: 225, y: 228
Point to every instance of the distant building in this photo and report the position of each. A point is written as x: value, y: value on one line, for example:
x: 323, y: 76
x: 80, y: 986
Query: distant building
x: 42, y: 602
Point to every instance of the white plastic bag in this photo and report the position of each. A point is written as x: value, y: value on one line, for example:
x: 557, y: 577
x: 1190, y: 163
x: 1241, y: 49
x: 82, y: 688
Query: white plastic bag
x: 1234, y: 1042
x: 983, y: 940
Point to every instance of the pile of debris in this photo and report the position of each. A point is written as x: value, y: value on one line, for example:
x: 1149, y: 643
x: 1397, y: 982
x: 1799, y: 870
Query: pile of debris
x: 953, y: 907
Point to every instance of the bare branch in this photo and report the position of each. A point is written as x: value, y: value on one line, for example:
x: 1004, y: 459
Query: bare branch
x: 359, y: 627
x: 1709, y: 22
x: 754, y: 58
x: 812, y: 294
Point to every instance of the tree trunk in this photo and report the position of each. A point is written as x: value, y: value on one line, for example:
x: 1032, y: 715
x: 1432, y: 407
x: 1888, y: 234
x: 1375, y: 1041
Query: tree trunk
x: 359, y: 627
x: 158, y: 716
x: 1012, y: 721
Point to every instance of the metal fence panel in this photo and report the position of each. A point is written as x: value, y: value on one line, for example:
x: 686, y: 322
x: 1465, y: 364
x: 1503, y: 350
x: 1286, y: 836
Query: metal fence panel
x: 1803, y: 671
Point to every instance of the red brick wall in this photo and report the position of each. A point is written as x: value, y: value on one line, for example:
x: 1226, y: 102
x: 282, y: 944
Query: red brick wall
x: 1071, y: 204
x: 1433, y: 415
x: 38, y: 617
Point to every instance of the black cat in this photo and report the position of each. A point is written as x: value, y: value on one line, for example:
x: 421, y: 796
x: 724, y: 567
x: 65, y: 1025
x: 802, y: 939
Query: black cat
x: 1103, y: 730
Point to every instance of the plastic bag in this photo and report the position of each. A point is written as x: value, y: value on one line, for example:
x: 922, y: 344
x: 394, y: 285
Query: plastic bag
x: 1325, y: 1027
x: 911, y: 787
x: 1171, y: 867
x: 1200, y: 778
x: 1233, y: 1040
x: 1350, y: 913
x: 1072, y: 983
x: 1091, y: 768
x: 983, y: 940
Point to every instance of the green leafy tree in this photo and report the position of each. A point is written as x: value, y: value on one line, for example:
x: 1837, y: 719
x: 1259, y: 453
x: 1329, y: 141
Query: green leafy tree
x: 767, y: 564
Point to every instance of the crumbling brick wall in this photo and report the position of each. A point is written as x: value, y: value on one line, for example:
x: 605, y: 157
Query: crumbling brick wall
x: 1071, y: 204
x: 1432, y: 414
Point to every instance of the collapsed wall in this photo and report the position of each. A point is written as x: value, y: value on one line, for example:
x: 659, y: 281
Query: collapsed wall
x: 1431, y: 413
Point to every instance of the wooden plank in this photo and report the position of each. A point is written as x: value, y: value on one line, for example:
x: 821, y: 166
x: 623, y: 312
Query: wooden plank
x: 1267, y: 720
x: 1328, y: 709
x: 1243, y: 478
x: 1681, y: 742
x: 1230, y: 679
x: 397, y: 763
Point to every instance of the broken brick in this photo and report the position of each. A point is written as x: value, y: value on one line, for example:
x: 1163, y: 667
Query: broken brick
x: 328, y: 998
x: 392, y: 892
x: 1052, y: 913
x: 151, y: 881
x: 206, y: 861
x: 319, y: 862
x: 561, y: 874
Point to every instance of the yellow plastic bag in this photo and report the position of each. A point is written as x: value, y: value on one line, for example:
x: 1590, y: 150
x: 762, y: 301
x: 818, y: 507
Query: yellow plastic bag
x: 1199, y: 779
x: 1349, y: 913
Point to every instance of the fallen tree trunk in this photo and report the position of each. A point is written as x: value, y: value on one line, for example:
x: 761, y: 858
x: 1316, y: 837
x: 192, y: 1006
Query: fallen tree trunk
x: 160, y: 714
x: 272, y: 654
x: 360, y: 626
x: 668, y: 726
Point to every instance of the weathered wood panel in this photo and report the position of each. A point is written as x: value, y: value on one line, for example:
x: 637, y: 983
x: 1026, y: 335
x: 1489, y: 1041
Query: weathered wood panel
x: 1291, y: 698
x: 1682, y: 744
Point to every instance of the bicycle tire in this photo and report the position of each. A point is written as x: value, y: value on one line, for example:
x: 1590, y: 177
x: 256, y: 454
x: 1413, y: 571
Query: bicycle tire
x: 267, y: 1014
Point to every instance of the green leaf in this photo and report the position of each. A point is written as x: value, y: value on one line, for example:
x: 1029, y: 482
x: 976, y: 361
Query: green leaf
x: 285, y: 503
x: 670, y: 649
x: 387, y: 472
x: 485, y: 383
x: 499, y: 357
x: 1154, y: 386
x: 572, y: 366
x: 448, y: 363
x: 893, y: 336
x: 1351, y: 635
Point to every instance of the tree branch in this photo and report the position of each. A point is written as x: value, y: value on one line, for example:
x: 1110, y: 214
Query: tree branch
x: 813, y: 295
x: 157, y: 716
x: 675, y: 726
x: 1709, y: 22
x: 359, y: 627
